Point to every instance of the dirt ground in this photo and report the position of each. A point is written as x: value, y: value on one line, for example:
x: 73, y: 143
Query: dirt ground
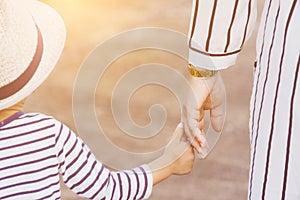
x: 224, y: 174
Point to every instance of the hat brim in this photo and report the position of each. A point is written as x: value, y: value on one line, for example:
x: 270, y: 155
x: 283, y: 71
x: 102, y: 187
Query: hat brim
x: 53, y: 32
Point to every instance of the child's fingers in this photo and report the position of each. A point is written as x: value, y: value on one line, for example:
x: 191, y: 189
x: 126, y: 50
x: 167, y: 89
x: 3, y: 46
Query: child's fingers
x: 204, y: 147
x: 178, y: 134
x: 203, y: 154
x: 201, y: 138
x: 193, y: 141
x: 180, y: 125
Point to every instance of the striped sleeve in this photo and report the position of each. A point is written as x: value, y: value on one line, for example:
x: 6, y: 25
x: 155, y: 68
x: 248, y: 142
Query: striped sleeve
x: 218, y: 31
x: 87, y: 177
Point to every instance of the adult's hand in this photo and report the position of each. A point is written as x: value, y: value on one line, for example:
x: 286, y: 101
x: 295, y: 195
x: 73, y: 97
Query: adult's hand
x: 206, y: 94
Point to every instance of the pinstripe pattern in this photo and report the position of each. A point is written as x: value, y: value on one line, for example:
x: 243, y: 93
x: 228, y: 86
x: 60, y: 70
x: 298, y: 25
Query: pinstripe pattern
x: 230, y: 27
x: 247, y: 23
x: 275, y: 111
x: 276, y: 97
x: 290, y: 131
x: 35, y: 149
x: 194, y: 20
x: 211, y: 24
x: 205, y: 36
x: 259, y: 63
x: 263, y: 94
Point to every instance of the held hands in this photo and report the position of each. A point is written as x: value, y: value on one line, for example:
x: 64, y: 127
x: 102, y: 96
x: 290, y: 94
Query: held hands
x: 180, y: 153
x: 178, y: 158
x: 206, y: 94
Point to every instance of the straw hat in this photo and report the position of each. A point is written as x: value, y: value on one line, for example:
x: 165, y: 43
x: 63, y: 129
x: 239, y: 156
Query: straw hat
x: 32, y: 37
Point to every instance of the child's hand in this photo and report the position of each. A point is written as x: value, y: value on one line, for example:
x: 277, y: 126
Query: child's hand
x: 178, y: 158
x: 180, y: 153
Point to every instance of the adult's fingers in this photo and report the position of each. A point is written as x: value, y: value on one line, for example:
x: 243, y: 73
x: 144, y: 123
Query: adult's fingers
x: 218, y: 106
x: 201, y: 119
x: 217, y: 117
x: 215, y: 103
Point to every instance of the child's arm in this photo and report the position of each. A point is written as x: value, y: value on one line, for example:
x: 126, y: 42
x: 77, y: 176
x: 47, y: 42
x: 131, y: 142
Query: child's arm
x: 178, y: 159
x: 87, y: 177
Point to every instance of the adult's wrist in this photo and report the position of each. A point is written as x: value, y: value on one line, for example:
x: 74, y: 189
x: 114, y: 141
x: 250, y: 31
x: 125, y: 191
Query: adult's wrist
x: 201, y: 72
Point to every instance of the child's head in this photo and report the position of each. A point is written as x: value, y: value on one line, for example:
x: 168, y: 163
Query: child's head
x: 32, y: 37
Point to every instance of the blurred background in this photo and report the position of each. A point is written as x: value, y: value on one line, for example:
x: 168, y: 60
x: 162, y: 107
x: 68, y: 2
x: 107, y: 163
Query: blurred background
x: 224, y: 174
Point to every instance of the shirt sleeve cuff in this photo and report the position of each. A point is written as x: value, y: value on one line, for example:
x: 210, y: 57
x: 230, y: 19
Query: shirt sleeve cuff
x: 149, y: 176
x: 212, y: 61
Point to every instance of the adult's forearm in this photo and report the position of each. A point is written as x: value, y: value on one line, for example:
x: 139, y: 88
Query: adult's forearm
x: 218, y: 31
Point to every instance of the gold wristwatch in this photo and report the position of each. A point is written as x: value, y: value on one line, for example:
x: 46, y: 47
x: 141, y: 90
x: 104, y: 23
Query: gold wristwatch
x: 201, y: 73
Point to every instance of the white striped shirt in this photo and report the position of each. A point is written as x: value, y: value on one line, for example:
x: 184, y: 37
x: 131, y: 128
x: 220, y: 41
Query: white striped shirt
x: 35, y: 149
x: 218, y: 31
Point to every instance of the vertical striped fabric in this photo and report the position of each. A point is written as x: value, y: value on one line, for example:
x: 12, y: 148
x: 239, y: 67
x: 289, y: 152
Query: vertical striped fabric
x: 35, y: 149
x: 219, y: 30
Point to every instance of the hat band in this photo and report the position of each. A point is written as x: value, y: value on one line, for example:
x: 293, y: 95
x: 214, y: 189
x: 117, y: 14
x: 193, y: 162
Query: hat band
x: 15, y: 86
